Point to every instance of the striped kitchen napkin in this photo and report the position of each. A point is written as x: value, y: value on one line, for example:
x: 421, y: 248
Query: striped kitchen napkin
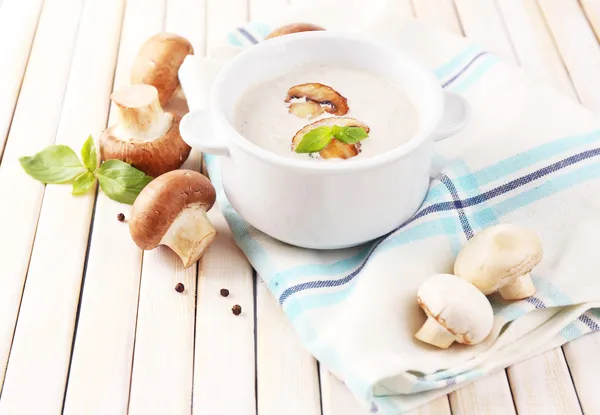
x: 530, y: 156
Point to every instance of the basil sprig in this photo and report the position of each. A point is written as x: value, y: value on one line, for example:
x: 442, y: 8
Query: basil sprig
x: 59, y: 164
x: 319, y: 138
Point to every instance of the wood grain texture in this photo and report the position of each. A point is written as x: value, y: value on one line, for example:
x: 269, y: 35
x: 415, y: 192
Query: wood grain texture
x: 488, y: 395
x: 542, y: 385
x: 592, y: 11
x: 265, y: 10
x: 99, y: 380
x: 44, y: 333
x: 584, y: 365
x: 224, y: 354
x: 578, y: 47
x: 439, y: 13
x: 18, y: 21
x: 33, y: 128
x: 534, y: 44
x: 288, y: 380
x: 483, y: 24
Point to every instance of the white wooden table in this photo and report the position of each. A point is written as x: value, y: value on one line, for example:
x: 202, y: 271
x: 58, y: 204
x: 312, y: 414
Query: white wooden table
x: 91, y: 325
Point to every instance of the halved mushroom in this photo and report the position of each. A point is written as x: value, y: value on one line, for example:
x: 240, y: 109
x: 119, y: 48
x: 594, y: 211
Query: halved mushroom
x: 306, y: 109
x: 171, y: 211
x: 456, y: 312
x: 331, y: 100
x: 293, y: 28
x: 335, y: 149
x: 144, y: 136
x: 500, y: 258
x: 158, y: 62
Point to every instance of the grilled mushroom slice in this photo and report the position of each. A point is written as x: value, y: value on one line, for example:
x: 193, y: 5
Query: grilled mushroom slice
x: 335, y: 149
x: 293, y: 28
x: 331, y: 100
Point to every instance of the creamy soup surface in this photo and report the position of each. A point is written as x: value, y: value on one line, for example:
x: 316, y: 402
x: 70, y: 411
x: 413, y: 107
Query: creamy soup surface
x: 262, y: 117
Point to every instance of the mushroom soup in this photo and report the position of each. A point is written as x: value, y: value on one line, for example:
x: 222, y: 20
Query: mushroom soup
x: 326, y: 112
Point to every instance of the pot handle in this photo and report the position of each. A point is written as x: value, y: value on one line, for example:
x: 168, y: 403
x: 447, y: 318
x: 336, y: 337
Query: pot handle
x: 197, y: 129
x: 457, y: 114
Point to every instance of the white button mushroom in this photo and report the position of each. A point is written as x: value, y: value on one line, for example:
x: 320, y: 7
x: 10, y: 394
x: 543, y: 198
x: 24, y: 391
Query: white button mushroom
x: 500, y: 258
x: 157, y: 63
x: 171, y: 211
x: 456, y: 311
x: 144, y: 136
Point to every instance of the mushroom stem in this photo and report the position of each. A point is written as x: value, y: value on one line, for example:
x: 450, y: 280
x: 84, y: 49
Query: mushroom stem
x: 519, y: 289
x: 190, y: 234
x: 140, y: 115
x: 434, y: 333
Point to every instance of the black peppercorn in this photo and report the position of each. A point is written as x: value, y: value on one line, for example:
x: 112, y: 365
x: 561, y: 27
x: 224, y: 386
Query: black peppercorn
x: 179, y: 287
x: 236, y: 310
x: 224, y: 292
x: 120, y: 217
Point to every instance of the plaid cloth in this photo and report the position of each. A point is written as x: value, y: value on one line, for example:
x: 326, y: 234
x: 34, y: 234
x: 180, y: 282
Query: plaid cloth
x: 530, y: 156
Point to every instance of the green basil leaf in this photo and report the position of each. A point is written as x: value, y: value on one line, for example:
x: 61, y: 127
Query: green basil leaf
x: 121, y: 182
x: 337, y: 130
x: 352, y: 135
x: 88, y: 154
x: 315, y: 140
x: 55, y: 164
x: 83, y: 183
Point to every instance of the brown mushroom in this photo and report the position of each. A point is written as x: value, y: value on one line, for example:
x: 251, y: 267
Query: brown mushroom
x: 293, y: 28
x: 144, y: 136
x: 335, y: 149
x: 171, y: 211
x: 158, y: 62
x: 331, y: 100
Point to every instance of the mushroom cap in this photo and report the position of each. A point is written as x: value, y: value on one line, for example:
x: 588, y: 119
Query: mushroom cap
x: 293, y: 28
x: 458, y: 306
x: 163, y: 200
x: 497, y: 256
x: 158, y: 62
x: 335, y: 102
x: 155, y: 157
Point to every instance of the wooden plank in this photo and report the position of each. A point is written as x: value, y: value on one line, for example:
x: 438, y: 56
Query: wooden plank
x: 489, y: 395
x: 578, y: 46
x: 224, y: 352
x: 440, y: 13
x: 286, y: 373
x: 533, y: 43
x: 224, y: 16
x: 542, y: 385
x: 482, y: 23
x: 592, y: 10
x: 165, y: 325
x: 265, y: 10
x: 584, y: 365
x: 44, y: 333
x: 99, y: 380
x: 33, y: 128
x: 18, y: 21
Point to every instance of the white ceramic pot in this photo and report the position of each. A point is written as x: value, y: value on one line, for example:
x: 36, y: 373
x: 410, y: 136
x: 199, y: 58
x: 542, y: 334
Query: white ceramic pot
x: 323, y: 205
